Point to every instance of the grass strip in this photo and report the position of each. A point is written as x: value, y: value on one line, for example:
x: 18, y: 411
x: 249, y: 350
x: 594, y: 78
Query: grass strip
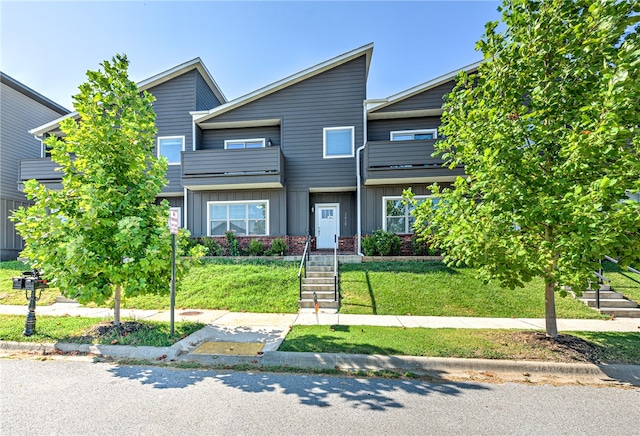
x: 82, y: 330
x: 609, y: 347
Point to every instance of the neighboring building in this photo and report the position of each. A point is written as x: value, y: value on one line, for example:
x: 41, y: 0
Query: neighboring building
x: 21, y: 108
x: 305, y: 155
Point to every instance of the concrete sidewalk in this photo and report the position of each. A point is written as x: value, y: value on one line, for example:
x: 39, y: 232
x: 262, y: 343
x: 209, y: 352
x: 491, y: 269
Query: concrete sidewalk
x: 269, y: 330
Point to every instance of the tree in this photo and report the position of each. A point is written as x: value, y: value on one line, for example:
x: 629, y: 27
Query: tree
x: 547, y: 130
x: 101, y: 235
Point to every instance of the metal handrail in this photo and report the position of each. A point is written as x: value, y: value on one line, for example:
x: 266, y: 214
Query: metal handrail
x: 335, y: 267
x: 305, y: 258
x: 633, y: 270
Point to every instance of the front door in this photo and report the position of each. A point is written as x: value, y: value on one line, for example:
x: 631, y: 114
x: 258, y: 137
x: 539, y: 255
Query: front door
x: 327, y: 225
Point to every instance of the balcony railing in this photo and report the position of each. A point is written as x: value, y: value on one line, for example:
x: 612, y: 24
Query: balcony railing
x: 233, y: 169
x: 41, y: 169
x: 390, y: 162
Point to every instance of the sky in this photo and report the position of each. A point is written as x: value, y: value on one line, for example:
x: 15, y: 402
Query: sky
x: 245, y: 45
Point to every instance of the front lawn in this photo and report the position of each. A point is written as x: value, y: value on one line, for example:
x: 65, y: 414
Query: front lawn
x: 434, y: 289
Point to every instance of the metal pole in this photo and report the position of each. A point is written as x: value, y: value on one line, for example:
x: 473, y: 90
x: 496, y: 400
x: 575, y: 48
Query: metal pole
x: 173, y: 281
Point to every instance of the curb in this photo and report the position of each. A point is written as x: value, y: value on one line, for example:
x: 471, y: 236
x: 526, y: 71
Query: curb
x: 345, y: 362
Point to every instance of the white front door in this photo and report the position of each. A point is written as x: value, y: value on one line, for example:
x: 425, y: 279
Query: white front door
x: 327, y: 225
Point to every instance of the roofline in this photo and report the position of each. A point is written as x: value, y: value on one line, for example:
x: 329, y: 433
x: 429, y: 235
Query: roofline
x: 33, y: 95
x: 290, y: 80
x: 423, y: 87
x: 148, y: 84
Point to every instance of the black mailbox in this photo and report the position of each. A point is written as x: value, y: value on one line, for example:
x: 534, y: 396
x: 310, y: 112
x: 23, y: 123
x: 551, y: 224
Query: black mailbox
x: 18, y: 283
x: 33, y: 283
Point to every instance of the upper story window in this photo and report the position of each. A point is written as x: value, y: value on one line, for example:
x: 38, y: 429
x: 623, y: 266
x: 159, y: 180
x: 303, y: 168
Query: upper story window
x: 411, y: 135
x: 170, y: 147
x: 397, y: 215
x: 338, y: 142
x: 243, y: 143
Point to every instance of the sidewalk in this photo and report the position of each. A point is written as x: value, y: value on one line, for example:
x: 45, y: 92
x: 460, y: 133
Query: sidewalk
x: 232, y: 330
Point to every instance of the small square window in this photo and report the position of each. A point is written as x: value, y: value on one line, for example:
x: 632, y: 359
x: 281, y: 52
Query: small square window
x: 338, y: 142
x: 170, y: 147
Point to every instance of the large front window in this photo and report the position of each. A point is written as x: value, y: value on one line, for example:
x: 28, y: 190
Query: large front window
x: 397, y: 215
x: 242, y: 218
x: 170, y: 147
x: 338, y: 142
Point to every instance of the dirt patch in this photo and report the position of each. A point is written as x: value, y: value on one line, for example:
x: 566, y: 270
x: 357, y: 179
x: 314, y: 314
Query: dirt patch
x: 108, y: 329
x: 564, y: 348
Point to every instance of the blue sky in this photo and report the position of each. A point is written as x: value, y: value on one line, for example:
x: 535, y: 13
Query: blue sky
x: 49, y: 46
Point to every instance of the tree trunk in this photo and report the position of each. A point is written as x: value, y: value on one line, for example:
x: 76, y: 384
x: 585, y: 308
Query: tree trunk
x: 550, y: 310
x: 116, y: 307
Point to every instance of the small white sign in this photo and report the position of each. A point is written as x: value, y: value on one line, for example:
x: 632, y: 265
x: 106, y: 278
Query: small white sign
x: 173, y: 222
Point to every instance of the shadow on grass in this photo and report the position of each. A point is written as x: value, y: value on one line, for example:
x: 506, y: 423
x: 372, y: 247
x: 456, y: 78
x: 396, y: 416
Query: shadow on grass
x: 311, y: 390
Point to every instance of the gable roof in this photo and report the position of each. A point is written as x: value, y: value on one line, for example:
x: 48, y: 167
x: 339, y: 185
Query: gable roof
x: 365, y: 50
x: 149, y: 83
x: 30, y: 93
x: 376, y: 105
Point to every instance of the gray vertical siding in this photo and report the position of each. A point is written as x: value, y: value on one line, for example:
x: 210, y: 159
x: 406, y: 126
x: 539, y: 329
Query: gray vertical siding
x: 205, y: 98
x: 379, y: 130
x: 330, y: 99
x: 347, y: 202
x: 19, y: 112
x: 197, y: 205
x: 297, y: 212
x: 214, y: 139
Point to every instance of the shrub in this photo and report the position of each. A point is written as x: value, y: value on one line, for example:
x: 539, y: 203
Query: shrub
x: 278, y: 247
x: 381, y: 243
x: 256, y: 247
x: 369, y: 245
x: 212, y: 246
x: 422, y: 247
x: 232, y: 244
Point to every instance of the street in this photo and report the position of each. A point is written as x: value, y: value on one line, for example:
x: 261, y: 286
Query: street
x: 81, y: 398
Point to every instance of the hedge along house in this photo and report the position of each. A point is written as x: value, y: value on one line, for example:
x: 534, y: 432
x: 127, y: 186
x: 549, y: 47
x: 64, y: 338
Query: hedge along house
x: 306, y: 155
x: 20, y: 109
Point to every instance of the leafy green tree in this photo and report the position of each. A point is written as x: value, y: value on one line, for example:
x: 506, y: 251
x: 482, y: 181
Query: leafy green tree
x: 548, y: 132
x: 101, y: 235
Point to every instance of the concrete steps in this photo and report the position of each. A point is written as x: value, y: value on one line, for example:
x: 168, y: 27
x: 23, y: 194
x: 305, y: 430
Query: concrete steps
x: 319, y: 280
x: 611, y: 303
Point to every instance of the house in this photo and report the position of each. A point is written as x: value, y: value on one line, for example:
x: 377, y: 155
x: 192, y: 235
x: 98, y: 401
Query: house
x: 20, y: 109
x: 306, y: 155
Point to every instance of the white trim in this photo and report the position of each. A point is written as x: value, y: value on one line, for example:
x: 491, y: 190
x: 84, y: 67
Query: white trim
x: 169, y: 137
x: 266, y: 202
x: 317, y: 222
x: 434, y: 132
x: 291, y: 80
x: 239, y: 124
x: 184, y: 203
x: 244, y: 141
x: 386, y: 198
x: 324, y: 142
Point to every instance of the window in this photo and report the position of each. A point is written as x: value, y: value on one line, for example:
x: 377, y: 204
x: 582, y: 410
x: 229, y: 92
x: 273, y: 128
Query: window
x: 243, y: 218
x: 338, y: 142
x: 170, y: 147
x: 411, y: 135
x: 397, y: 217
x: 243, y: 143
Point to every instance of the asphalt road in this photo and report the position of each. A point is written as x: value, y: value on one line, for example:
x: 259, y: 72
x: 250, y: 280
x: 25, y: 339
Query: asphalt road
x: 84, y: 398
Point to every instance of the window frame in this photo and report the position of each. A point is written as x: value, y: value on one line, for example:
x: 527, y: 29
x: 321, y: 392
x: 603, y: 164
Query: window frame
x: 159, y: 148
x: 352, y: 129
x: 243, y: 141
x: 246, y: 219
x: 434, y: 132
x: 408, y: 229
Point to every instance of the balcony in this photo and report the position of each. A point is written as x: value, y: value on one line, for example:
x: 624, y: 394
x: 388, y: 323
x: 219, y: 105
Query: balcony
x: 233, y: 169
x: 41, y: 169
x: 393, y: 162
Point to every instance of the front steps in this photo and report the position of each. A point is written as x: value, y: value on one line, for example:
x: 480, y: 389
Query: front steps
x: 319, y: 279
x: 611, y: 303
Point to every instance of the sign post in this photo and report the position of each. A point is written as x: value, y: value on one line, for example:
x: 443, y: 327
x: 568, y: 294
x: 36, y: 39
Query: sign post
x: 173, y: 227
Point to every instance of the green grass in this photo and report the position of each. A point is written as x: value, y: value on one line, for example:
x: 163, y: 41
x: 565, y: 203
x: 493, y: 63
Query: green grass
x: 464, y: 343
x: 433, y: 289
x: 623, y: 281
x: 75, y: 330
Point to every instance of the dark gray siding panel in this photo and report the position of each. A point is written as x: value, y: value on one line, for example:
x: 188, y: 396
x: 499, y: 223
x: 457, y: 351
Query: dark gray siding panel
x: 298, y: 212
x: 197, y: 204
x: 205, y: 98
x: 348, y: 218
x: 331, y: 99
x: 12, y: 243
x: 174, y: 175
x: 430, y: 99
x: 199, y: 139
x: 380, y: 130
x: 214, y: 139
x: 174, y: 100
